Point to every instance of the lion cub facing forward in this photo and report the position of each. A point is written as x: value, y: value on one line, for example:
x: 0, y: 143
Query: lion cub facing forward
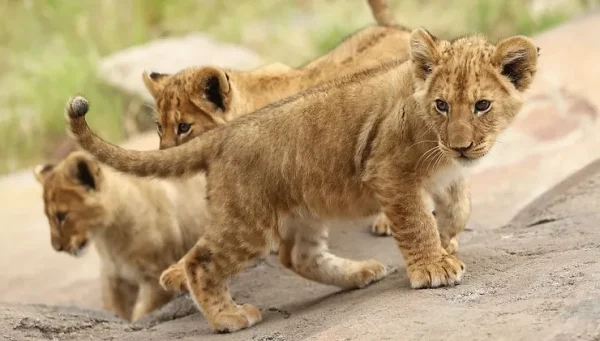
x: 138, y: 226
x: 380, y: 140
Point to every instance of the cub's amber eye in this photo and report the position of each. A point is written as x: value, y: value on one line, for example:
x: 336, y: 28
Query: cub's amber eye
x: 183, y: 128
x: 441, y: 106
x: 482, y: 106
x: 61, y: 216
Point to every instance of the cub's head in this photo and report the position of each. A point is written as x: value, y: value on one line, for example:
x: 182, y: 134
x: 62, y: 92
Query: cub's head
x: 469, y: 89
x: 189, y: 102
x: 72, y: 201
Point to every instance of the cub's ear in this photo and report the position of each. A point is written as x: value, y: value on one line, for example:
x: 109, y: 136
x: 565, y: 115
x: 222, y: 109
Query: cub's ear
x: 84, y: 170
x: 154, y: 82
x: 211, y: 89
x: 41, y: 172
x: 424, y: 52
x: 516, y: 58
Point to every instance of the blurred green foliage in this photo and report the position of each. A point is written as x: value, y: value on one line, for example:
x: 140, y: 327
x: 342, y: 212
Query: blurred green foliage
x: 49, y: 49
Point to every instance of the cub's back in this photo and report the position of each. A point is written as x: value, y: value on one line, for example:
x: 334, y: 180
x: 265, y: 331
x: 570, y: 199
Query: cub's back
x: 309, y: 142
x: 368, y: 47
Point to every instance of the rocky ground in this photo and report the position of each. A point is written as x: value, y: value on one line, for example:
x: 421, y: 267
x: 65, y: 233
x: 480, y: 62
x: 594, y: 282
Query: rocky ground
x: 534, y: 276
x: 537, y: 278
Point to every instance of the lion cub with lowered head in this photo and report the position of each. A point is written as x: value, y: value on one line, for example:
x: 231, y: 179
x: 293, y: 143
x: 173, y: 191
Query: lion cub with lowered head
x: 138, y: 226
x: 377, y: 140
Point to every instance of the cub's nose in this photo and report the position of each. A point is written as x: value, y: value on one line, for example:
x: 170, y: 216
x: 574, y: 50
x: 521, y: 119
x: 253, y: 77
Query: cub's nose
x: 463, y: 149
x: 57, y: 246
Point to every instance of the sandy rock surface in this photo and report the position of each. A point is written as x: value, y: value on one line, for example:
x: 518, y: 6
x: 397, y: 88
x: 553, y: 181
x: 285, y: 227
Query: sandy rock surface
x: 534, y: 279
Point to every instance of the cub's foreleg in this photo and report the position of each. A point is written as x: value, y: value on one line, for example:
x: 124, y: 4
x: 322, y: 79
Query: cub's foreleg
x: 415, y: 230
x: 453, y: 208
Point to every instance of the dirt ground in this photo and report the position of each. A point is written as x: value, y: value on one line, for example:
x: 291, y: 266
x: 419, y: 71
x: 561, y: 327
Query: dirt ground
x: 537, y: 278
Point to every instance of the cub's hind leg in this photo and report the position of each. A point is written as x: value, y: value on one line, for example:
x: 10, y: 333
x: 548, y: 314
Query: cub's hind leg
x: 452, y: 208
x: 173, y: 278
x: 226, y: 248
x: 304, y: 250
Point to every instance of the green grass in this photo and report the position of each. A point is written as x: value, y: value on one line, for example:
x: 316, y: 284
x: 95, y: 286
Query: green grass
x: 50, y: 49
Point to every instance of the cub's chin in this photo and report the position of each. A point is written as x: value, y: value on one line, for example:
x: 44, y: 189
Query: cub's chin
x: 466, y: 161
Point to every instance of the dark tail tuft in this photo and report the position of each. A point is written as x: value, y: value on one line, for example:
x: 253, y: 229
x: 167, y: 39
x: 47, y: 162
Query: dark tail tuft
x: 78, y: 106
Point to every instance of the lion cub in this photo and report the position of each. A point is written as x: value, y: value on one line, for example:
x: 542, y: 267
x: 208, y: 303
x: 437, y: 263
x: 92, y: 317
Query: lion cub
x: 380, y: 140
x: 197, y: 99
x: 138, y: 226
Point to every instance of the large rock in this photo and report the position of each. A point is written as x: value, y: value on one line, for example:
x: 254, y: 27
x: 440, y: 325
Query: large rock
x: 534, y: 279
x: 556, y: 132
x: 169, y: 55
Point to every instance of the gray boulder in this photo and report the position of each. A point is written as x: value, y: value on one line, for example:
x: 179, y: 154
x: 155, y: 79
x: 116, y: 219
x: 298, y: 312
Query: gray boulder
x: 169, y: 55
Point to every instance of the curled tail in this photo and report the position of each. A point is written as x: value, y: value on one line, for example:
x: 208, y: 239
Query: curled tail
x: 382, y: 13
x: 192, y: 157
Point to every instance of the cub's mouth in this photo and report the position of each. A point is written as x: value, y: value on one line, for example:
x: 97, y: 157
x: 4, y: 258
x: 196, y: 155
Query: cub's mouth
x: 466, y: 160
x: 80, y: 249
x: 466, y: 156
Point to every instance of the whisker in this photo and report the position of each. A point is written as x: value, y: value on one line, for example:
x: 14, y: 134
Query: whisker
x: 423, y: 141
x: 414, y: 144
x: 432, y: 157
x: 424, y: 156
x: 442, y: 157
x: 435, y: 160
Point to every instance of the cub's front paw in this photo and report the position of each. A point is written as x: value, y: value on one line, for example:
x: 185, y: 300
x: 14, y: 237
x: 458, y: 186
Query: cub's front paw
x: 369, y: 271
x: 242, y: 317
x: 381, y: 226
x: 447, y: 270
x: 173, y: 278
x: 452, y: 246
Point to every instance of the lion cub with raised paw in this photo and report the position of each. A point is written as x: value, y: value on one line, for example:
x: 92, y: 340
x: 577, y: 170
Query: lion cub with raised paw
x: 381, y: 140
x: 138, y: 226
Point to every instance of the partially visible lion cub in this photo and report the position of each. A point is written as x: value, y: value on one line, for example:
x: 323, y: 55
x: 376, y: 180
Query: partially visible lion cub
x: 138, y: 226
x: 380, y: 140
x: 197, y: 99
